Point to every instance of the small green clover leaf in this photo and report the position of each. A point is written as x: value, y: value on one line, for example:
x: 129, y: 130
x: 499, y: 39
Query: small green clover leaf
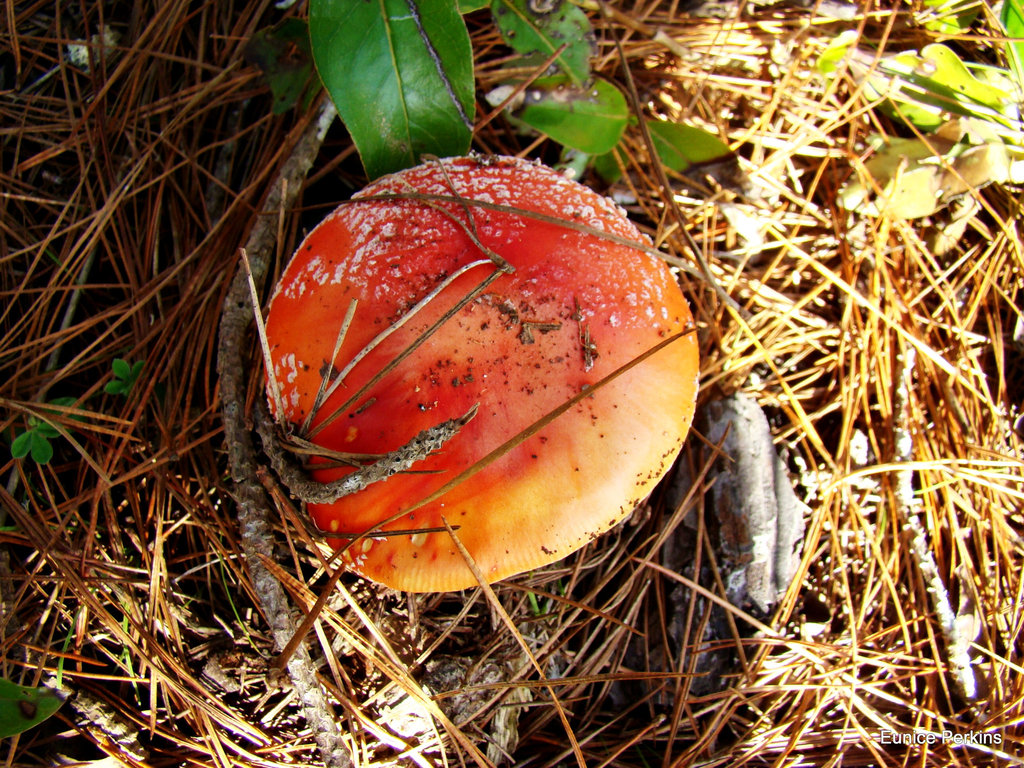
x: 32, y: 442
x: 35, y: 441
x: 125, y: 376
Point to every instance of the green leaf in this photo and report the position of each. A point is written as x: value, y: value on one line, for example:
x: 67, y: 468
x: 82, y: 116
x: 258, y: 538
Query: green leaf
x: 922, y: 87
x: 23, y: 708
x: 45, y: 430
x: 836, y: 51
x: 681, y: 146
x: 48, y: 430
x: 1012, y: 18
x: 542, y: 27
x: 607, y: 168
x: 468, y: 6
x: 34, y: 442
x: 951, y: 72
x: 125, y: 376
x: 400, y: 73
x: 22, y: 444
x: 918, y: 176
x: 282, y: 52
x: 590, y: 119
x: 41, y: 449
x: 121, y: 368
x: 950, y: 17
x: 572, y: 163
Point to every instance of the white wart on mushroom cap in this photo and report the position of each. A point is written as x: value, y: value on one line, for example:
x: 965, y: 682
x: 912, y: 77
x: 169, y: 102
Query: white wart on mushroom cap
x: 577, y: 307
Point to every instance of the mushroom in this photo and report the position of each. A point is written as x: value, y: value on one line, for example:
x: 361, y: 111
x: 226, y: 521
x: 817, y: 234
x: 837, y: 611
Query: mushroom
x: 550, y: 290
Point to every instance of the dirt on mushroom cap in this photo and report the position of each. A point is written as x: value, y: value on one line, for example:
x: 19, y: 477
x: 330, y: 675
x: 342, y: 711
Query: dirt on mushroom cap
x: 577, y: 307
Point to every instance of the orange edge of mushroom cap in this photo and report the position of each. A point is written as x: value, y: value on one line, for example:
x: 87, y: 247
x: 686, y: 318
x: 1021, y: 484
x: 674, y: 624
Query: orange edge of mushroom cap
x: 577, y: 307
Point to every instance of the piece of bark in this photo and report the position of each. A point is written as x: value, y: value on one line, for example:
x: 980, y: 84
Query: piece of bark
x: 759, y: 518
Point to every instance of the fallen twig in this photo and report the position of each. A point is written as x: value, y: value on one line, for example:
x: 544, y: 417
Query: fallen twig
x: 253, y: 514
x: 306, y: 489
x: 957, y: 644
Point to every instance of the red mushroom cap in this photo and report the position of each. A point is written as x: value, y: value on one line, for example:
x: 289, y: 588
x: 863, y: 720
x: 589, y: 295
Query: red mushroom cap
x: 578, y: 306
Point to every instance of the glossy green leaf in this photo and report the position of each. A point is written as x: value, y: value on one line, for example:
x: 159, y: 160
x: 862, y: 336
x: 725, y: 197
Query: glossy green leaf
x: 468, y: 6
x: 542, y: 27
x: 23, y: 708
x: 400, y: 73
x: 680, y: 146
x: 590, y: 119
x: 1011, y: 16
x: 951, y: 72
x: 283, y: 54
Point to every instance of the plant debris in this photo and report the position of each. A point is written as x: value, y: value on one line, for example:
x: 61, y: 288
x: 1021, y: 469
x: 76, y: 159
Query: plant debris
x: 138, y: 152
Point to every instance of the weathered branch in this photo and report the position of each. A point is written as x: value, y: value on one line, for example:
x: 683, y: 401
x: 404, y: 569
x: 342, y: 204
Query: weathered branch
x: 304, y: 488
x: 958, y: 644
x: 253, y: 506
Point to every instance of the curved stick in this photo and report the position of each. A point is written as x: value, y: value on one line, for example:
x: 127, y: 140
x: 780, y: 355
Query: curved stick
x: 253, y: 506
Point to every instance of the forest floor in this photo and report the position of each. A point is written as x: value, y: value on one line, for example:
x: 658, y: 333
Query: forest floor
x: 886, y: 350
